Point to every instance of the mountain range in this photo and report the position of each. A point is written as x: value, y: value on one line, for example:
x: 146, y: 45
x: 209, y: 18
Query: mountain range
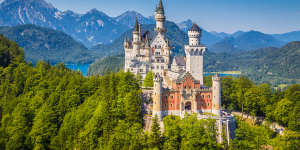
x: 91, y: 28
x: 95, y: 27
x: 246, y: 41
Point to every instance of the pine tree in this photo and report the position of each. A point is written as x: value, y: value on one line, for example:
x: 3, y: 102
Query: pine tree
x: 155, y: 139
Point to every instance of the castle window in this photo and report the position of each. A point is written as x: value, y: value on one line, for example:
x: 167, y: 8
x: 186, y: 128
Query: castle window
x: 171, y: 97
x: 208, y: 96
x: 202, y: 96
x: 141, y: 70
x: 165, y: 105
x: 171, y: 105
x: 162, y: 67
x: 207, y: 104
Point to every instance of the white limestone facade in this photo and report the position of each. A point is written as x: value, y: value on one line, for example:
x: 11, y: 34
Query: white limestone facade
x: 194, y: 53
x: 143, y: 54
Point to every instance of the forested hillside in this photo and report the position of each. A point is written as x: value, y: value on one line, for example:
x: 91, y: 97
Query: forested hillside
x: 48, y: 45
x: 241, y: 94
x: 108, y: 63
x: 52, y: 107
x: 47, y: 107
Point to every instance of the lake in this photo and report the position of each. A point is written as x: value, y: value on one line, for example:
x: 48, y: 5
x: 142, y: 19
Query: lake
x: 222, y: 74
x: 83, y: 68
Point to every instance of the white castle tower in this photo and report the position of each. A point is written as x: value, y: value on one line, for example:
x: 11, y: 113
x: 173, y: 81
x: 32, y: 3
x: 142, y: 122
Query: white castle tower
x: 160, y: 59
x: 157, y: 96
x: 194, y: 53
x: 216, y: 93
x: 160, y: 18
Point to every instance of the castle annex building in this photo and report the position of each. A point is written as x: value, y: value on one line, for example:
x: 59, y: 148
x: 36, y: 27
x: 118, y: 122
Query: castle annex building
x: 178, y: 84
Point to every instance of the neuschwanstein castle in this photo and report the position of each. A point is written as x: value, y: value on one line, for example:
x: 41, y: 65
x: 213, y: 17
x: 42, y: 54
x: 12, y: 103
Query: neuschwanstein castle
x: 178, y: 83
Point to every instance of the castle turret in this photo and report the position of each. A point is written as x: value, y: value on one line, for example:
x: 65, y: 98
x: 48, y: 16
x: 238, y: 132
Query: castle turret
x: 160, y: 18
x: 157, y: 96
x: 136, y: 38
x: 216, y: 93
x: 194, y: 35
x: 194, y: 54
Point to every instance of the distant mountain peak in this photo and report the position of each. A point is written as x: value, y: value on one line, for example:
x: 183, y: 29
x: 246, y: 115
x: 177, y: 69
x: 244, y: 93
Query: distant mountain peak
x: 95, y: 11
x: 185, y: 25
x: 40, y: 3
x: 131, y: 12
x: 128, y: 18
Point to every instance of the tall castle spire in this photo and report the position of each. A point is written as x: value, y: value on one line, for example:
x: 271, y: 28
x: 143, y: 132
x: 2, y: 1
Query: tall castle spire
x: 160, y: 8
x: 160, y: 18
x: 136, y: 31
x: 136, y: 26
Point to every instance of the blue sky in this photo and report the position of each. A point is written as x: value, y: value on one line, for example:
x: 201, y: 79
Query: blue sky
x: 269, y: 16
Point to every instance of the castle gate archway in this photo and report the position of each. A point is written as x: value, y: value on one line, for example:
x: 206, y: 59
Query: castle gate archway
x: 188, y: 106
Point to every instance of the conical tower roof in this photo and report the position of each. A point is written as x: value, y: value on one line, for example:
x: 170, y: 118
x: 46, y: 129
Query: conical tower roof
x: 195, y: 27
x: 136, y: 26
x: 160, y: 8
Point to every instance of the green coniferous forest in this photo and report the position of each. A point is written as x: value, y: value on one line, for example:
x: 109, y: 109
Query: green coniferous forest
x: 52, y: 107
